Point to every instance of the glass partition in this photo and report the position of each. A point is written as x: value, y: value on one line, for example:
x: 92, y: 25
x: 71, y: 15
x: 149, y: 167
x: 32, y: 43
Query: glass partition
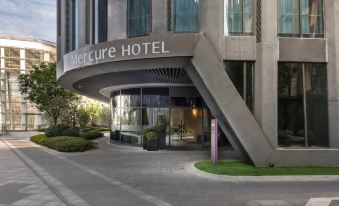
x: 136, y: 109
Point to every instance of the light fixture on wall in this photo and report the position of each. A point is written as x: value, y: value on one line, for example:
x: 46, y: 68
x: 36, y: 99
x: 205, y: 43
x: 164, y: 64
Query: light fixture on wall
x: 195, y: 112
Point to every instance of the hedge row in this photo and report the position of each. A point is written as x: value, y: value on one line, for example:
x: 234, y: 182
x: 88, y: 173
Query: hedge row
x: 91, y: 135
x: 63, y: 143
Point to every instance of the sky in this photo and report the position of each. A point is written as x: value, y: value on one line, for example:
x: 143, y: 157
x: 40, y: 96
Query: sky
x: 33, y: 18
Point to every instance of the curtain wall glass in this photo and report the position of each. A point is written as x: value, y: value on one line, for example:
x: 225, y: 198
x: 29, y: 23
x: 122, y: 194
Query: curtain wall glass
x: 185, y: 15
x: 242, y: 74
x: 102, y: 20
x: 300, y: 18
x: 302, y: 105
x: 139, y: 18
x: 239, y: 17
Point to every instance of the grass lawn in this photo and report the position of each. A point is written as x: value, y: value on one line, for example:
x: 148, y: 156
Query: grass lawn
x: 239, y: 168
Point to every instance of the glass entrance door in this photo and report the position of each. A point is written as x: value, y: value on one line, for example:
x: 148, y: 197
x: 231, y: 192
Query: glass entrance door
x: 186, y: 127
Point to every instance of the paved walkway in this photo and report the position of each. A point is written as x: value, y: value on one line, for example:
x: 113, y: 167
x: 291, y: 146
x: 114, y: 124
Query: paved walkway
x: 19, y: 185
x: 115, y: 175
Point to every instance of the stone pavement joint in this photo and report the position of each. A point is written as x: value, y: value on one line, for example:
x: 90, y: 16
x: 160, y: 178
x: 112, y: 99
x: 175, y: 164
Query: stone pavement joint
x: 65, y: 194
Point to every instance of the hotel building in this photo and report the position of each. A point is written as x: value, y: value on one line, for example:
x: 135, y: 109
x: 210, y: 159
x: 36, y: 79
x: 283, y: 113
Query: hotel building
x: 267, y: 70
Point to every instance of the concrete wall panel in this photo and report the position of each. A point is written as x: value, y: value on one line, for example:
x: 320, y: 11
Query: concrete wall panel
x: 240, y: 48
x: 302, y: 50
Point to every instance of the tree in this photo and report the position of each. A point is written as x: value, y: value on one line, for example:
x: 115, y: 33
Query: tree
x: 104, y: 116
x: 92, y: 108
x: 84, y: 117
x: 71, y: 116
x: 41, y: 88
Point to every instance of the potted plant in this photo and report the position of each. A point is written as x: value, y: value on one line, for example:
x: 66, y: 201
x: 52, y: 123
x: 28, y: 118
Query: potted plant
x: 160, y: 128
x: 144, y: 132
x: 152, y: 141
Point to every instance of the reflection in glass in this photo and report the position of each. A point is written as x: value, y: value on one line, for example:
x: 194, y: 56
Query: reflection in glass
x: 242, y: 74
x: 155, y: 97
x: 132, y: 112
x: 316, y: 104
x: 131, y: 98
x: 288, y: 17
x: 312, y: 17
x: 302, y: 122
x: 186, y: 15
x: 290, y: 105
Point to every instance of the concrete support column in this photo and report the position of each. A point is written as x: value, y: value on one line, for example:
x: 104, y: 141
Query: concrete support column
x: 117, y: 20
x: 266, y: 75
x: 61, y: 40
x: 81, y: 24
x: 332, y: 35
x: 211, y: 22
x: 159, y: 16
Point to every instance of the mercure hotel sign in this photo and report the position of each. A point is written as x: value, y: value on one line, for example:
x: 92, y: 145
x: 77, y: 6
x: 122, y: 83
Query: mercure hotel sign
x: 129, y: 49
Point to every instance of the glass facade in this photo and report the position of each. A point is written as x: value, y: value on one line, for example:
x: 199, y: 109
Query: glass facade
x: 136, y: 109
x: 74, y: 23
x: 139, y: 18
x: 302, y: 105
x: 242, y: 74
x: 300, y: 18
x: 185, y: 15
x: 17, y: 113
x: 99, y: 20
x: 239, y: 17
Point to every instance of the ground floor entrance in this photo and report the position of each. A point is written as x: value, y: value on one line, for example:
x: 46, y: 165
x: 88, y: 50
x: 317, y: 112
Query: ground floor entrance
x: 182, y: 109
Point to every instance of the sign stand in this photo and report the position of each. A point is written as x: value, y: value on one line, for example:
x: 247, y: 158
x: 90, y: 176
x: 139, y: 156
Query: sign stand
x: 214, y: 141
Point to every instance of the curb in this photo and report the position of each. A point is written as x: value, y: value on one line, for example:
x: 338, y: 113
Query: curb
x: 189, y: 167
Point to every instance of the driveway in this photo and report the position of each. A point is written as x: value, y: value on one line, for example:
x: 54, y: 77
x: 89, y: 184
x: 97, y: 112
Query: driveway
x: 119, y: 175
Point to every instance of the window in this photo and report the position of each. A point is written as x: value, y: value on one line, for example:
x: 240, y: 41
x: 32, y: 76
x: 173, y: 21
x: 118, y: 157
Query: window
x: 241, y: 74
x: 302, y: 105
x: 239, y: 17
x: 139, y: 18
x: 99, y: 20
x: 300, y: 18
x: 185, y: 16
x: 74, y: 24
x: 102, y: 20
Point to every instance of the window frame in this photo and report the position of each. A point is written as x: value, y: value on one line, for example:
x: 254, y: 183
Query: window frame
x: 171, y: 18
x: 300, y: 33
x: 242, y: 33
x: 150, y: 22
x: 305, y: 105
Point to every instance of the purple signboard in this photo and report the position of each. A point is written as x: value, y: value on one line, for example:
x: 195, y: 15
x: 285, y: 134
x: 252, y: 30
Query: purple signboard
x: 214, y: 141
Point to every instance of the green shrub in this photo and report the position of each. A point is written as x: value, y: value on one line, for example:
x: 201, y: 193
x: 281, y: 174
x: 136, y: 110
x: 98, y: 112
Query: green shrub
x: 38, y: 139
x: 74, y: 132
x: 68, y: 144
x: 42, y: 130
x: 61, y: 130
x: 102, y: 129
x: 91, y: 135
x: 55, y: 130
x: 151, y: 136
x: 147, y: 130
